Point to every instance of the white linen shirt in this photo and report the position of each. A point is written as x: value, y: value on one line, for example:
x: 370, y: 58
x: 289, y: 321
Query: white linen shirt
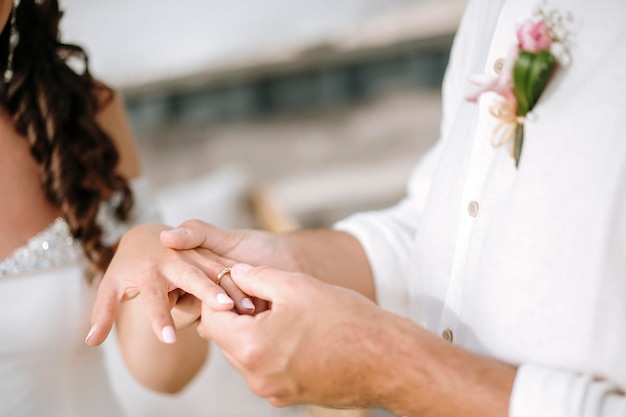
x: 525, y: 265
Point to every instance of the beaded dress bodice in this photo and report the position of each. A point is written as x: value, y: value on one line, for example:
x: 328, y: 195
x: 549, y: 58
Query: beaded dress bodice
x: 50, y: 248
x: 56, y: 247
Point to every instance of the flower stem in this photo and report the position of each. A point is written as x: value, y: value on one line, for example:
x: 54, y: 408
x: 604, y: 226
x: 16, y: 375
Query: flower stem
x: 519, y: 141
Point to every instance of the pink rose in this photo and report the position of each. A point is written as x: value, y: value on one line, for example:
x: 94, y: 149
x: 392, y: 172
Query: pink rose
x: 534, y: 36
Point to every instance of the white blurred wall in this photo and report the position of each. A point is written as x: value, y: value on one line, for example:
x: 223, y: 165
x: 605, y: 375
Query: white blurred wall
x: 137, y: 41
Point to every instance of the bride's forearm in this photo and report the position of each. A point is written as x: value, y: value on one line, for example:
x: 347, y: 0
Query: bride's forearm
x: 334, y: 257
x: 160, y: 367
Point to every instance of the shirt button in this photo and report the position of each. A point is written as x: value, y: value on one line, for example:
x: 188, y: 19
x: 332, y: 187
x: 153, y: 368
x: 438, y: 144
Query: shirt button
x: 498, y: 65
x: 472, y: 208
x: 447, y: 335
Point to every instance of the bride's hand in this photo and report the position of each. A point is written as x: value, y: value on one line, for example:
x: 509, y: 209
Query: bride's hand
x: 142, y: 265
x: 186, y: 309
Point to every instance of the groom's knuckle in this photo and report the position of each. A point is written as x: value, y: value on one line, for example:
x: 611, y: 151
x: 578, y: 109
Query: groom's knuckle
x: 256, y: 386
x: 279, y: 401
x: 247, y: 355
x: 264, y: 388
x: 251, y: 354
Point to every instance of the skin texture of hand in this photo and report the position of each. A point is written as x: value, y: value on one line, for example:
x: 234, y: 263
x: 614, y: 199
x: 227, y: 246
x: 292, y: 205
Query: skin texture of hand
x: 331, y: 256
x: 323, y: 344
x: 142, y: 265
x: 254, y: 247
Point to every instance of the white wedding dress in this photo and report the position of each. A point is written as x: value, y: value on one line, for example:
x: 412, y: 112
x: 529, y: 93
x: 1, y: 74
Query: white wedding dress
x: 46, y: 369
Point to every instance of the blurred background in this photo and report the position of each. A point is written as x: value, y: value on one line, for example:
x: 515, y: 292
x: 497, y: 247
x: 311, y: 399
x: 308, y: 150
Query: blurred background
x: 272, y: 113
x: 308, y: 109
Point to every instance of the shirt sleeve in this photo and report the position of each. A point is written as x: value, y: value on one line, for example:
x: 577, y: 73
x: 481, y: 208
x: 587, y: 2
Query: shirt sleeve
x: 543, y: 392
x: 387, y: 237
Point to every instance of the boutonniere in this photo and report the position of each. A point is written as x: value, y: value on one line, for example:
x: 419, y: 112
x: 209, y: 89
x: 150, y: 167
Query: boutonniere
x: 542, y: 46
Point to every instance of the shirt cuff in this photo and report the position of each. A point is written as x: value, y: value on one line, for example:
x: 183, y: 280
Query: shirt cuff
x: 544, y: 392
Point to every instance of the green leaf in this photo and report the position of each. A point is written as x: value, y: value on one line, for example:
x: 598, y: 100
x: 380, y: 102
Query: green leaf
x: 531, y: 74
x: 540, y: 71
x: 520, y: 81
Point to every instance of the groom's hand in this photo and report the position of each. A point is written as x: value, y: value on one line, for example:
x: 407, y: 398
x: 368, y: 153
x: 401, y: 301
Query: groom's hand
x: 310, y: 347
x: 253, y: 247
x: 142, y: 265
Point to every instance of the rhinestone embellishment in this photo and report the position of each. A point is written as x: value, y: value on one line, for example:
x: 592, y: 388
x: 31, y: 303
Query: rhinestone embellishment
x: 53, y: 247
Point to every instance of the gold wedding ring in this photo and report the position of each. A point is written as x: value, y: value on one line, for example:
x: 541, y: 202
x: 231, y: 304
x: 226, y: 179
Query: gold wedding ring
x: 221, y: 275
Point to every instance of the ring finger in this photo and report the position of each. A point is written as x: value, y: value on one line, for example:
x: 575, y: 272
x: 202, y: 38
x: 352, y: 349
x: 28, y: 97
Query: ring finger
x: 243, y: 303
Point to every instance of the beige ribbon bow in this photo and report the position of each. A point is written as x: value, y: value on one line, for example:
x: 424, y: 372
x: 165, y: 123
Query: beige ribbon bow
x: 505, y: 112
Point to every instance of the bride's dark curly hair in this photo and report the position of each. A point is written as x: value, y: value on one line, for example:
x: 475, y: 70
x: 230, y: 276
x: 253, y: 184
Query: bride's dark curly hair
x: 55, y: 108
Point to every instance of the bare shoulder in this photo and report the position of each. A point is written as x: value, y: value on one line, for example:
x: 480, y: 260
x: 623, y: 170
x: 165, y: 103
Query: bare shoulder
x: 113, y: 119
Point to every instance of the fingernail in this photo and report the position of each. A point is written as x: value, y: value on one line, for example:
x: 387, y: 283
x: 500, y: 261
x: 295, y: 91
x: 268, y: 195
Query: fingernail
x: 240, y: 269
x: 247, y: 304
x: 223, y: 299
x: 168, y: 334
x: 178, y: 231
x: 91, y: 332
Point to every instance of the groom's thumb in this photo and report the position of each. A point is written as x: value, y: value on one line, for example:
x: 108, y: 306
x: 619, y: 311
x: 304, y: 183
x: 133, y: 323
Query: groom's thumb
x: 261, y: 282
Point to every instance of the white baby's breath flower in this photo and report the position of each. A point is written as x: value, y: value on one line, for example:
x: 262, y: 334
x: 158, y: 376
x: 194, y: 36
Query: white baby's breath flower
x: 560, y: 53
x: 559, y: 33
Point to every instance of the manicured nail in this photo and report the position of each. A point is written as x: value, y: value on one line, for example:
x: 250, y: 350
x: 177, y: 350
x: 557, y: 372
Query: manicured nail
x: 168, y: 334
x: 247, y: 304
x: 223, y: 299
x: 178, y: 231
x: 240, y: 269
x: 91, y: 332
